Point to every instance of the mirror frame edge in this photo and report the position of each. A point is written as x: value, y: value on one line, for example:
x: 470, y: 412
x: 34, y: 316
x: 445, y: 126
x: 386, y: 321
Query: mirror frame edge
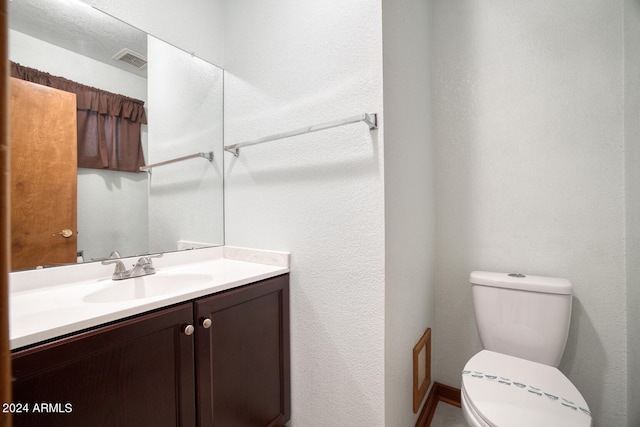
x: 5, y: 248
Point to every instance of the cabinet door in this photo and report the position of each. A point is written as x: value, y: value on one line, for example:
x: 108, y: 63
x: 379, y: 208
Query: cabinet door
x: 242, y: 364
x: 137, y: 372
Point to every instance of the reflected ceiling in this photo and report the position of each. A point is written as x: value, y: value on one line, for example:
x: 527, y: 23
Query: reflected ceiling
x: 86, y: 30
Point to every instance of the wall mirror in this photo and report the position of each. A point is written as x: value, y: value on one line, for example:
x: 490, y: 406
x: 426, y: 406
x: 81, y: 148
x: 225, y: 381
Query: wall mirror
x: 174, y: 206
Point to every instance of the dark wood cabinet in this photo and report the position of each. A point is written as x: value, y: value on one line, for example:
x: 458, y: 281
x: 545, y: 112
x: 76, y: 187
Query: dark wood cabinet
x: 242, y: 368
x: 146, y: 371
x: 135, y: 372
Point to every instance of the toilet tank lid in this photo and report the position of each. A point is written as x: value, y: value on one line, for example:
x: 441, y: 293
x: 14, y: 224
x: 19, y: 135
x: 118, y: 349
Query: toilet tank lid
x: 550, y: 285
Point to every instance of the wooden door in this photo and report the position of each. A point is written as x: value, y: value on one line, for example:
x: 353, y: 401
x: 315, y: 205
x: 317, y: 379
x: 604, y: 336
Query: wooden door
x: 138, y: 372
x: 242, y: 358
x: 43, y: 178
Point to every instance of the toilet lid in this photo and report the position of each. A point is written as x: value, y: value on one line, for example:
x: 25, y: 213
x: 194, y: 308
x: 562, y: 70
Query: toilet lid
x: 509, y: 391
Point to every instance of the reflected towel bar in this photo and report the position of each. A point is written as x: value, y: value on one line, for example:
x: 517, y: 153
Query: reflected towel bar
x: 371, y: 119
x: 208, y: 156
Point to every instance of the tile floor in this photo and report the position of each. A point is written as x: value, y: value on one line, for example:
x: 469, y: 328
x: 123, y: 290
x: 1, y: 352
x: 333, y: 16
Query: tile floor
x: 448, y: 416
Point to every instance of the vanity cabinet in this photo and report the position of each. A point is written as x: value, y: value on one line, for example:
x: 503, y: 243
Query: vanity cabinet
x: 220, y: 360
x: 134, y: 372
x: 242, y: 369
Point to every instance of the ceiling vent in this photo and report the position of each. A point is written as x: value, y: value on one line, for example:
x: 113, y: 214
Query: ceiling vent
x: 131, y: 58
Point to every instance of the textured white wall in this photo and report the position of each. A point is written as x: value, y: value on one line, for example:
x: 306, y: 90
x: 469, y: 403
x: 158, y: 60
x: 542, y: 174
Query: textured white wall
x: 320, y: 196
x: 528, y: 121
x: 409, y: 198
x: 185, y: 117
x: 632, y: 180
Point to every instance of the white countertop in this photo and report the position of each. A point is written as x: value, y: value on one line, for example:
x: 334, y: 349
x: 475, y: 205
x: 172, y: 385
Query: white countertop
x: 48, y: 303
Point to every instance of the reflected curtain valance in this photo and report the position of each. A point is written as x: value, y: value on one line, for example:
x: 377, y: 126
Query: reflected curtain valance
x: 109, y: 125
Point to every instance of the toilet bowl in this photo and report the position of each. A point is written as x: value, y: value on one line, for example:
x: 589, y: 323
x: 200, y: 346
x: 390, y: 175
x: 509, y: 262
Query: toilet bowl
x: 523, y: 323
x: 499, y: 390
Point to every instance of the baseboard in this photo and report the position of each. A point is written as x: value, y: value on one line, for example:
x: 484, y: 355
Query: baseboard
x: 438, y: 393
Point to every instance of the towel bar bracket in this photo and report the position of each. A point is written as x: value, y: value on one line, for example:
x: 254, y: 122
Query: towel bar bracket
x: 148, y: 168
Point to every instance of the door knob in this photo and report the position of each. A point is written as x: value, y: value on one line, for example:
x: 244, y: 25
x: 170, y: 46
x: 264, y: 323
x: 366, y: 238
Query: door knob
x: 66, y: 233
x: 188, y: 329
x: 205, y: 322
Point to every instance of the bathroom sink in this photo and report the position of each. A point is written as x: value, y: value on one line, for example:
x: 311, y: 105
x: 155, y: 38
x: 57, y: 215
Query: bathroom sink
x: 147, y: 287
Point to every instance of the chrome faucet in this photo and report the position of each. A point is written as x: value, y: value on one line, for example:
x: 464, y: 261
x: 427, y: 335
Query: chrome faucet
x: 143, y: 267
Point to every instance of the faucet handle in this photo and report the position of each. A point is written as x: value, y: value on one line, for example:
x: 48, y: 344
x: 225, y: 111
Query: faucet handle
x: 120, y: 270
x: 146, y: 263
x: 119, y: 264
x: 147, y: 258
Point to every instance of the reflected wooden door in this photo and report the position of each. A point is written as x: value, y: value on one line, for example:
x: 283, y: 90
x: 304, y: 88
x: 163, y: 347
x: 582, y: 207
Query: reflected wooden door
x: 43, y: 179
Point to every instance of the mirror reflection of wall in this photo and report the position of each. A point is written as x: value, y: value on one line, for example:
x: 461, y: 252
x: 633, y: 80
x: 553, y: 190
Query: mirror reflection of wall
x: 138, y: 213
x: 185, y: 199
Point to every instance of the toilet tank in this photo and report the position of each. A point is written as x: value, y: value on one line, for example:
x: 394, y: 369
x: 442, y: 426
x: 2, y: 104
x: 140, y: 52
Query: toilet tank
x: 522, y: 316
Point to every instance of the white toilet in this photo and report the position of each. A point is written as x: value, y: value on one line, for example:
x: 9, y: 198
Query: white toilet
x: 523, y: 322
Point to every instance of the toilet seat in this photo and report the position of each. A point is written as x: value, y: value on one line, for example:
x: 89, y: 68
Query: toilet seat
x: 499, y: 390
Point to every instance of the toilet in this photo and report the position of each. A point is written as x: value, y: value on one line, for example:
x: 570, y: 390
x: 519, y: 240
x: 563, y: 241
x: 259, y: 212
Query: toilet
x: 523, y: 323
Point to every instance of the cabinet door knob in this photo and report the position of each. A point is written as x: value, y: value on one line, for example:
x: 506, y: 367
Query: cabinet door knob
x: 205, y: 322
x: 188, y: 330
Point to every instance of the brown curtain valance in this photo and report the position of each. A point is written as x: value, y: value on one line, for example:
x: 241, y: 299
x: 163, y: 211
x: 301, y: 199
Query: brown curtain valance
x: 108, y: 124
